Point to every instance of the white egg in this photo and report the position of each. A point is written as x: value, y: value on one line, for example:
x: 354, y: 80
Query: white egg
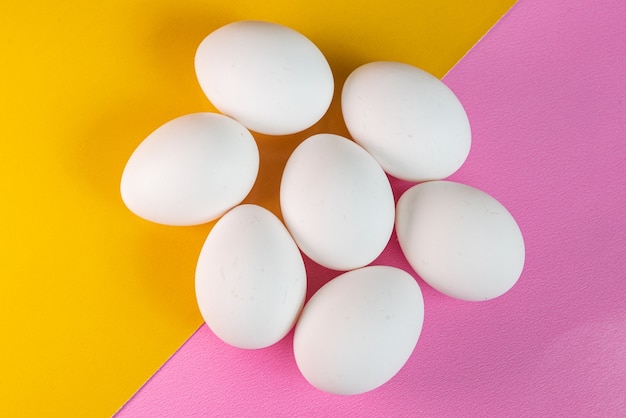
x: 336, y: 202
x: 409, y: 120
x: 460, y: 240
x: 359, y: 329
x: 250, y: 278
x: 269, y: 77
x: 191, y: 170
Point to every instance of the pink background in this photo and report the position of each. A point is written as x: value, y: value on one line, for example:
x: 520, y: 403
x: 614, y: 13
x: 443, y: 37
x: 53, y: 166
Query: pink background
x: 545, y: 92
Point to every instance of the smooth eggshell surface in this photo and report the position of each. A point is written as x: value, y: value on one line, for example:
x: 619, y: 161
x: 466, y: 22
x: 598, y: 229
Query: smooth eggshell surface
x: 336, y: 202
x: 269, y: 77
x: 460, y: 240
x: 250, y: 278
x: 409, y: 120
x: 359, y: 329
x: 191, y: 170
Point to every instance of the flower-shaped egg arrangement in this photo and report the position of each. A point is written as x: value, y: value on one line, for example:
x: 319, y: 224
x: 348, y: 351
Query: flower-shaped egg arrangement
x: 359, y: 329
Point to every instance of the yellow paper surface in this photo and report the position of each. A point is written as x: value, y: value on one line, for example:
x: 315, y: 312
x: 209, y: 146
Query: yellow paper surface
x: 94, y: 299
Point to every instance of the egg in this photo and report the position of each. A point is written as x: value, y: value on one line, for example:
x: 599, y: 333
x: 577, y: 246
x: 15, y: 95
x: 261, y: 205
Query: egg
x: 359, y: 329
x: 190, y: 170
x: 336, y: 202
x: 269, y: 77
x: 409, y: 120
x: 250, y: 278
x: 460, y: 240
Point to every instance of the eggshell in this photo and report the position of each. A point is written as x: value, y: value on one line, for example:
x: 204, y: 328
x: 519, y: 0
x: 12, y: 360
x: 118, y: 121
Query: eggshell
x: 191, y: 170
x: 269, y: 77
x: 460, y: 240
x: 250, y: 278
x: 336, y: 202
x: 409, y: 120
x: 359, y: 329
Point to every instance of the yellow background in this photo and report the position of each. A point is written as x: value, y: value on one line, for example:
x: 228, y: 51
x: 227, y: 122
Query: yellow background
x: 94, y: 299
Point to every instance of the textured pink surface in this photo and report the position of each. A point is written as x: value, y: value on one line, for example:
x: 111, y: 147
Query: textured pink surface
x: 545, y: 91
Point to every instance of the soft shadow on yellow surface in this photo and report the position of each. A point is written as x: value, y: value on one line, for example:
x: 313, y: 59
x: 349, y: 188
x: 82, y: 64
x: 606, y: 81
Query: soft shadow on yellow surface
x: 94, y: 299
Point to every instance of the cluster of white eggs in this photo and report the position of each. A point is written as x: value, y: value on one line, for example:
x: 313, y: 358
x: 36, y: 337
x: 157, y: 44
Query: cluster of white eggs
x: 359, y: 329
